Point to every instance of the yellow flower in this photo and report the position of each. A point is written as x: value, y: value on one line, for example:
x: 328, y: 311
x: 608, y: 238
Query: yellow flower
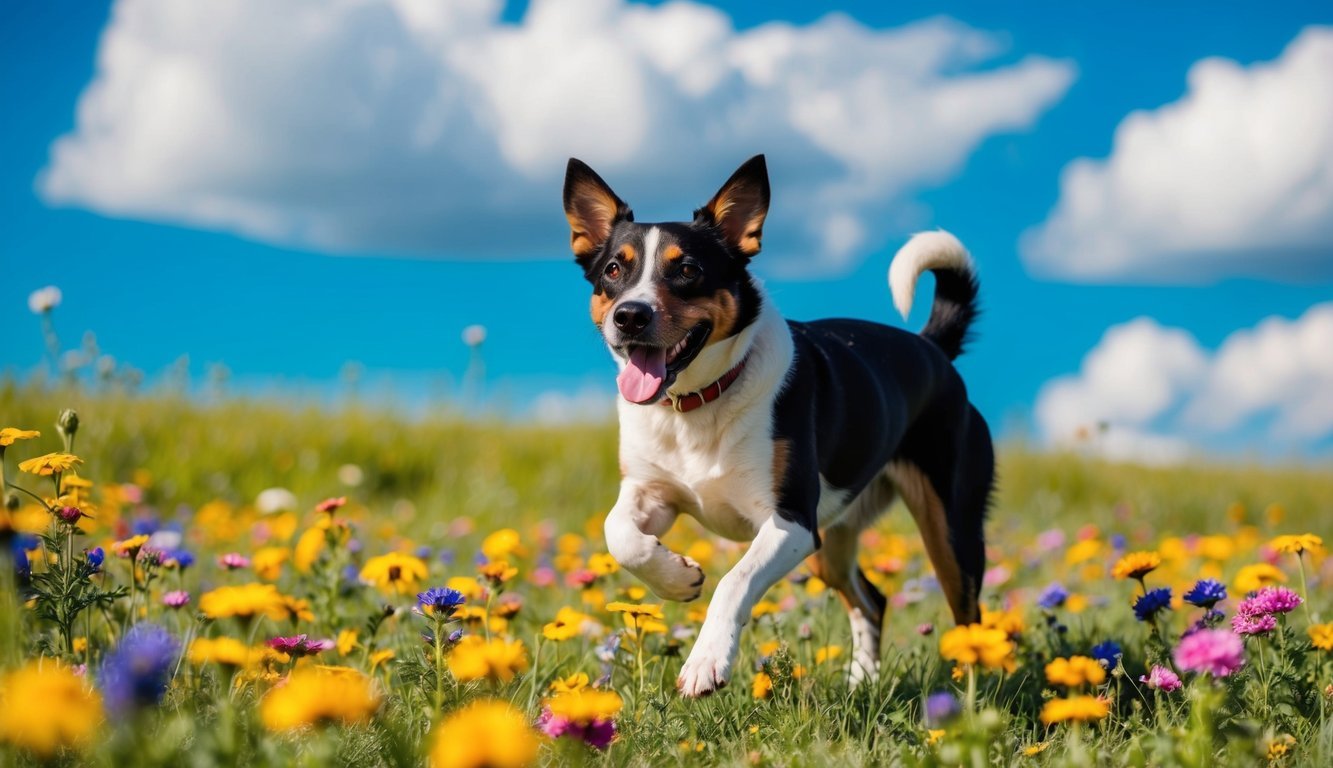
x: 1083, y: 551
x: 1295, y: 545
x: 268, y: 562
x: 1036, y: 749
x: 244, y: 601
x: 11, y: 435
x: 297, y: 608
x: 575, y: 682
x: 1321, y: 635
x: 502, y: 544
x: 395, y: 573
x: 976, y: 644
x: 474, y: 658
x: 651, y: 610
x: 1010, y: 622
x: 131, y: 546
x: 347, y: 641
x: 466, y: 586
x: 1252, y: 578
x: 1136, y: 565
x: 484, y: 734
x: 317, y: 695
x: 933, y: 736
x: 1083, y: 709
x: 586, y: 705
x: 223, y: 650
x: 827, y: 653
x: 497, y: 572
x: 379, y: 657
x: 50, y: 464
x: 44, y: 706
x: 1280, y: 747
x: 603, y: 564
x: 568, y: 624
x: 1075, y: 671
x: 1216, y: 547
x: 763, y: 608
x: 763, y: 686
x: 308, y: 549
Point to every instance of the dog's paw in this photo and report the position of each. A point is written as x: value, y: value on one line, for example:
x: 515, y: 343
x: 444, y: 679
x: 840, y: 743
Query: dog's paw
x: 682, y: 582
x: 707, y: 669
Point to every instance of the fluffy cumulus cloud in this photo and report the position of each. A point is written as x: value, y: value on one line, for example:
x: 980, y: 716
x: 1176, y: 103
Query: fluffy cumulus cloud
x: 1153, y: 394
x: 1235, y: 178
x: 417, y: 126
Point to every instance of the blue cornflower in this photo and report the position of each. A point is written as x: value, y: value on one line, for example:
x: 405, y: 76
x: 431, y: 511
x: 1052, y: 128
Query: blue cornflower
x: 1119, y: 542
x: 137, y: 672
x: 145, y: 526
x: 941, y: 707
x: 424, y: 551
x: 1206, y: 593
x: 1053, y: 597
x: 1148, y: 605
x: 1108, y: 653
x: 182, y: 558
x: 19, y: 546
x: 96, y: 556
x: 440, y: 602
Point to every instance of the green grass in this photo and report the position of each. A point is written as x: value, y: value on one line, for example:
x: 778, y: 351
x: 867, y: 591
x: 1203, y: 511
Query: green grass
x: 421, y: 477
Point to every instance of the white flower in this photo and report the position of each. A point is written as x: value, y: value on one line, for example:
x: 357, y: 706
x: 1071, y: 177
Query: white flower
x: 474, y: 335
x: 44, y: 300
x: 274, y: 500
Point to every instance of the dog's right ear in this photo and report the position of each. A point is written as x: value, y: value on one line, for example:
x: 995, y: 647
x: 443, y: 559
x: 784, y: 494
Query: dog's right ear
x: 592, y: 209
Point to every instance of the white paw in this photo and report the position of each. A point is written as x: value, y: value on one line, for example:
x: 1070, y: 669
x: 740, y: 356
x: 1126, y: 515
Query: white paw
x: 707, y: 669
x: 682, y: 580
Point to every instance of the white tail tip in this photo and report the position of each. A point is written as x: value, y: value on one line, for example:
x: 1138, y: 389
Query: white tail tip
x: 926, y: 250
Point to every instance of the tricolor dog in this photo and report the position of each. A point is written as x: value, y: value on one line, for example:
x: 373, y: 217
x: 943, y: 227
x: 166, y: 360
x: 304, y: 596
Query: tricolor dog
x: 793, y: 436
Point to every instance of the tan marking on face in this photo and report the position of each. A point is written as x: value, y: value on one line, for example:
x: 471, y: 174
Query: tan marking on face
x: 599, y: 306
x: 627, y: 253
x: 672, y: 252
x: 928, y: 511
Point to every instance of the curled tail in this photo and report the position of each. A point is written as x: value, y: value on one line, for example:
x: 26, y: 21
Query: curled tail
x: 955, y: 287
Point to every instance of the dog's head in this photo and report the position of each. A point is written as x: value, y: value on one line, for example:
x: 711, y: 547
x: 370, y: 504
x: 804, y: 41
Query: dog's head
x: 664, y: 292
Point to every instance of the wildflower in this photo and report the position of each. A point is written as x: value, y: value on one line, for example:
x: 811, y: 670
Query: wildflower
x: 1215, y: 651
x: 129, y: 548
x: 1321, y: 636
x: 762, y: 687
x: 501, y: 544
x: 603, y: 564
x: 1010, y: 621
x: 11, y: 435
x: 941, y: 707
x: 973, y: 644
x: 1036, y: 749
x: 827, y: 653
x: 1252, y: 578
x: 1108, y: 653
x: 1253, y: 624
x: 925, y: 629
x: 44, y: 706
x: 136, y: 673
x: 268, y: 562
x: 497, y: 572
x: 933, y: 736
x: 50, y: 464
x: 347, y: 641
x: 44, y: 300
x: 474, y: 658
x: 244, y: 601
x: 1270, y: 600
x: 95, y: 557
x: 575, y: 682
x: 763, y: 608
x: 380, y: 657
x: 1053, y: 597
x: 319, y: 695
x: 484, y: 734
x: 586, y: 714
x: 178, y: 598
x: 233, y: 561
x: 1075, y: 671
x: 1280, y: 746
x: 568, y: 624
x: 440, y: 602
x: 1159, y: 678
x: 1206, y: 593
x: 1136, y: 565
x: 1082, y: 709
x: 394, y: 573
x: 298, y: 646
x: 1149, y: 604
x: 331, y: 505
x: 636, y: 610
x: 223, y: 650
x: 1295, y: 545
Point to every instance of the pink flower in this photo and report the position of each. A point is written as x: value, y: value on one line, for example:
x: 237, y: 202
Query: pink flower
x: 1269, y: 600
x: 299, y: 646
x: 1159, y: 678
x: 925, y: 629
x: 329, y: 506
x: 233, y: 561
x: 1215, y: 651
x: 597, y: 734
x: 176, y: 599
x: 1253, y: 624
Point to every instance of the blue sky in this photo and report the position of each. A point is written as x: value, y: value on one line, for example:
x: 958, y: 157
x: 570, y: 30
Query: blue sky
x: 158, y: 268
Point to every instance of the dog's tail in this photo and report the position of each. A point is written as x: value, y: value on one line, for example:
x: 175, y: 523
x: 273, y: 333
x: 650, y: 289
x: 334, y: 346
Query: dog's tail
x: 955, y: 287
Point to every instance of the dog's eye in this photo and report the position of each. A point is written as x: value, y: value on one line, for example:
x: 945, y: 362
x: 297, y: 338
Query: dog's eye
x: 613, y: 270
x: 690, y: 271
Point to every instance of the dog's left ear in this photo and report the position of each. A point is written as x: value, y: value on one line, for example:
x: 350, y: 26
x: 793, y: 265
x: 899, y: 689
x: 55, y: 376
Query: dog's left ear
x: 739, y: 207
x: 592, y: 209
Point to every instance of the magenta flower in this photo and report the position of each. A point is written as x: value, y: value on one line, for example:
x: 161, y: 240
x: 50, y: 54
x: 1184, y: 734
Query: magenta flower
x: 233, y: 561
x: 299, y: 646
x: 597, y: 734
x: 1270, y: 600
x: 1253, y: 624
x: 1159, y: 678
x: 1215, y: 651
x: 176, y: 599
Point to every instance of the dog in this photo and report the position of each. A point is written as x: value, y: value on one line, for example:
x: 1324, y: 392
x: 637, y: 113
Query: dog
x: 794, y: 436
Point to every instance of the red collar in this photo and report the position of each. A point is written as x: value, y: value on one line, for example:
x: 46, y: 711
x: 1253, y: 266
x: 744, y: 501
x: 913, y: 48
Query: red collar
x: 691, y: 400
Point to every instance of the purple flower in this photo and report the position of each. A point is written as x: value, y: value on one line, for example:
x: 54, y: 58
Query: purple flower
x: 1053, y: 597
x: 941, y: 707
x: 69, y: 515
x: 1153, y: 602
x: 176, y: 599
x: 298, y: 646
x: 440, y: 602
x: 1206, y: 593
x: 95, y: 557
x: 1215, y: 651
x: 137, y: 672
x: 597, y: 734
x: 1270, y: 600
x: 1253, y: 624
x: 1159, y: 678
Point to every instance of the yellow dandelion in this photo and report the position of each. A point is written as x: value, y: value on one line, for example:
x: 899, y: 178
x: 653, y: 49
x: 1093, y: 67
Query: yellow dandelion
x: 976, y: 644
x: 318, y: 695
x: 575, y: 682
x: 1075, y: 671
x: 394, y: 573
x: 1296, y: 544
x: 244, y: 601
x: 651, y: 610
x: 11, y: 435
x: 1082, y: 709
x: 502, y: 544
x: 484, y: 734
x: 603, y: 564
x: 827, y: 653
x: 1321, y: 635
x: 762, y: 688
x: 475, y: 658
x: 45, y: 706
x: 1136, y: 565
x: 568, y: 624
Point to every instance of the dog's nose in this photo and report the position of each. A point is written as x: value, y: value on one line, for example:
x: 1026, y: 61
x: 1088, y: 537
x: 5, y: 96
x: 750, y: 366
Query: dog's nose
x: 632, y: 317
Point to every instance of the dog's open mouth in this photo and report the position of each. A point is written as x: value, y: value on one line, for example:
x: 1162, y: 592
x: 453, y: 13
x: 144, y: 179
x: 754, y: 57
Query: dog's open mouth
x: 650, y: 369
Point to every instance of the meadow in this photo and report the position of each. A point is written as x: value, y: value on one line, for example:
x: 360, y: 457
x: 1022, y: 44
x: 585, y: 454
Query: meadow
x: 214, y: 582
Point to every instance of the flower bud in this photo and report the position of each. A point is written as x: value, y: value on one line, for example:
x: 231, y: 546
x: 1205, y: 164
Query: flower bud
x: 68, y: 423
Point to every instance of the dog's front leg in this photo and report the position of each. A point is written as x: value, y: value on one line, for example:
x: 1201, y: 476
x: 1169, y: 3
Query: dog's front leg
x: 779, y: 547
x: 643, y: 512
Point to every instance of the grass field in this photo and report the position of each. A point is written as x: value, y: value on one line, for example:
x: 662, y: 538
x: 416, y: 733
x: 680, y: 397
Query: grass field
x: 444, y: 502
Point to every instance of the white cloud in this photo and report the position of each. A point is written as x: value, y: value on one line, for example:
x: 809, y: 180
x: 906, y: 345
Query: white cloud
x: 1235, y: 178
x: 428, y: 127
x: 1153, y: 394
x: 589, y: 405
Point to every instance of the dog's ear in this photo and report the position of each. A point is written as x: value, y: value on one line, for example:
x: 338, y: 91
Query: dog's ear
x: 592, y: 209
x: 739, y: 207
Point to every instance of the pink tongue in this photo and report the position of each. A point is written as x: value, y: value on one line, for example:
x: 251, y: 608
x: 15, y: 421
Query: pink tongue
x: 642, y: 378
